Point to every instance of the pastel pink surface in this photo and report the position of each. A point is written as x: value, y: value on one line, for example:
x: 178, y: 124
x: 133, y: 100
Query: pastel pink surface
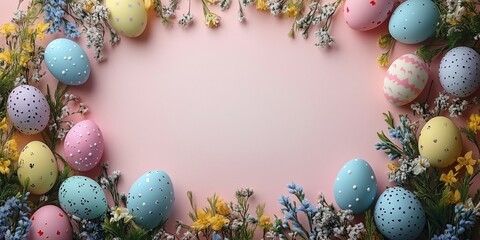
x: 83, y: 146
x: 239, y: 106
x: 50, y: 222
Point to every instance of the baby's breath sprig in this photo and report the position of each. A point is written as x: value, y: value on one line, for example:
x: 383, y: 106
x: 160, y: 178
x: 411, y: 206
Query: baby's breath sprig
x: 212, y: 20
x: 324, y: 39
x: 165, y: 12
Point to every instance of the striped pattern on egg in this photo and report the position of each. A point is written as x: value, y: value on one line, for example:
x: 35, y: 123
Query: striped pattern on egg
x: 405, y: 80
x: 84, y: 146
x: 67, y: 61
x: 459, y: 71
x: 82, y: 197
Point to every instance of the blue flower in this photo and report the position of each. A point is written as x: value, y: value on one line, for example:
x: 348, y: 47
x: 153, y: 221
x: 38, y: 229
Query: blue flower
x: 15, y: 208
x: 54, y: 14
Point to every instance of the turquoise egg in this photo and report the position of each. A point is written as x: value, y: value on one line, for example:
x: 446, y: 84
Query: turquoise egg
x: 151, y: 198
x: 83, y: 197
x: 67, y: 61
x: 399, y: 215
x: 355, y: 187
x: 414, y: 21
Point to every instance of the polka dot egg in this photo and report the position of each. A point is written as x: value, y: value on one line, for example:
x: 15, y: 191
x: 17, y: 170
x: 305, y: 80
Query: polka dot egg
x: 405, y: 80
x: 355, y: 187
x: 83, y: 146
x: 414, y: 21
x: 398, y: 214
x: 459, y: 71
x: 37, y: 167
x: 67, y: 61
x: 28, y: 110
x: 128, y: 17
x: 151, y: 198
x: 50, y: 222
x: 440, y: 142
x: 82, y: 197
x: 363, y: 15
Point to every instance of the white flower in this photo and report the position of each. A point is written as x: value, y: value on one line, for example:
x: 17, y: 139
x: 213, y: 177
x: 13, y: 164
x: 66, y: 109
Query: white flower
x: 420, y: 165
x: 120, y: 213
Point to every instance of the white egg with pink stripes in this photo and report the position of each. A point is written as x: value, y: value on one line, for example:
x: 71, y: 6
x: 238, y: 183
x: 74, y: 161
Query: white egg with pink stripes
x: 405, y: 80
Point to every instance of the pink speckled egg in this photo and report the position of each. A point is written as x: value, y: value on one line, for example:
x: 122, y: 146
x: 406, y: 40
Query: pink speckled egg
x: 363, y: 15
x: 50, y: 222
x: 83, y: 146
x: 406, y: 78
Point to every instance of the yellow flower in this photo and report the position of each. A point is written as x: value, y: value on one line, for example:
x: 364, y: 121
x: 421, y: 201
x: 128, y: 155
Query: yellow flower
x: 41, y: 29
x: 466, y: 161
x: 3, y: 124
x: 453, y: 21
x: 88, y: 6
x: 291, y: 10
x: 7, y: 29
x: 474, y: 123
x: 27, y: 47
x: 265, y: 222
x: 392, y: 167
x: 212, y: 20
x: 218, y: 221
x: 11, y: 149
x: 202, y: 221
x: 221, y: 207
x: 449, y: 178
x: 24, y: 60
x: 212, y: 2
x: 6, y: 56
x: 148, y: 4
x: 261, y: 5
x: 385, y: 41
x: 4, y: 166
x: 383, y: 59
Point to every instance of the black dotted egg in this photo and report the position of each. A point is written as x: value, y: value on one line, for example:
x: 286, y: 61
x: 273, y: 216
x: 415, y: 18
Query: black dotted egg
x: 28, y: 109
x: 459, y: 71
x: 398, y: 214
x: 83, y: 197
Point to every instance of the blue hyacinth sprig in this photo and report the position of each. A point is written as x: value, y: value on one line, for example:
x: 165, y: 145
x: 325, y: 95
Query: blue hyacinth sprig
x: 14, y: 221
x: 464, y: 220
x: 56, y: 15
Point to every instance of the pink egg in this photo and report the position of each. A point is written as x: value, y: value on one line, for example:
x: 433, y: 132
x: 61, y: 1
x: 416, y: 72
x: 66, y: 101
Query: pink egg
x: 405, y: 80
x: 363, y: 15
x: 50, y: 222
x: 83, y: 146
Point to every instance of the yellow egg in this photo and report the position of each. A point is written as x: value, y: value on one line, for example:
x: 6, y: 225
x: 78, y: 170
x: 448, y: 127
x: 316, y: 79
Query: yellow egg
x: 440, y: 142
x: 128, y: 17
x: 38, y: 167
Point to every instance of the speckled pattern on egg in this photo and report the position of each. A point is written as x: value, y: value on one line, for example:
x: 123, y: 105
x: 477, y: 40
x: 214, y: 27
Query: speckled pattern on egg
x: 151, y: 198
x: 83, y: 146
x: 399, y: 215
x: 414, y: 21
x: 363, y: 15
x: 28, y: 110
x: 355, y: 186
x: 50, y: 222
x: 128, y: 17
x: 83, y: 197
x: 67, y: 61
x: 459, y: 71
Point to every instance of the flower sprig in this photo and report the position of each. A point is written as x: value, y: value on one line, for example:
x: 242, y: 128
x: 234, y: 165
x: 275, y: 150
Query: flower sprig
x: 14, y: 217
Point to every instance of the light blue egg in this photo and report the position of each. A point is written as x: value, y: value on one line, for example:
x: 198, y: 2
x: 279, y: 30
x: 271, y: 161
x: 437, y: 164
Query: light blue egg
x: 83, y: 197
x: 355, y: 187
x: 67, y: 61
x: 151, y: 198
x: 414, y: 21
x: 399, y: 215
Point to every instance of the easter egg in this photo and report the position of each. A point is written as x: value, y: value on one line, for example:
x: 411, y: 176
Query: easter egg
x: 440, y: 142
x: 128, y: 17
x: 50, y: 222
x: 414, y: 21
x: 150, y: 199
x: 27, y: 109
x: 355, y: 187
x: 363, y: 15
x: 459, y: 71
x: 83, y: 145
x: 398, y: 214
x: 37, y: 167
x: 82, y: 197
x: 67, y: 61
x: 405, y: 80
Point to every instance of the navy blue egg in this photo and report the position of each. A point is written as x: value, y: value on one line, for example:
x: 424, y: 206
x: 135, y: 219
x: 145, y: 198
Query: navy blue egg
x: 67, y: 61
x: 151, y: 198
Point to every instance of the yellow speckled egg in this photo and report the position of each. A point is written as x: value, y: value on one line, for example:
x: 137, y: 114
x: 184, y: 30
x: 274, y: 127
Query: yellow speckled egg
x: 38, y: 167
x: 440, y: 142
x: 129, y: 17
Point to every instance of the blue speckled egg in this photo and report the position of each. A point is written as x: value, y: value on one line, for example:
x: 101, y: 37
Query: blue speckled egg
x: 83, y: 197
x: 355, y: 187
x: 414, y: 21
x: 150, y: 199
x: 28, y: 109
x: 67, y: 61
x: 398, y: 214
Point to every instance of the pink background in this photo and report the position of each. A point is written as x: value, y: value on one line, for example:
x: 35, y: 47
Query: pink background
x: 239, y: 106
